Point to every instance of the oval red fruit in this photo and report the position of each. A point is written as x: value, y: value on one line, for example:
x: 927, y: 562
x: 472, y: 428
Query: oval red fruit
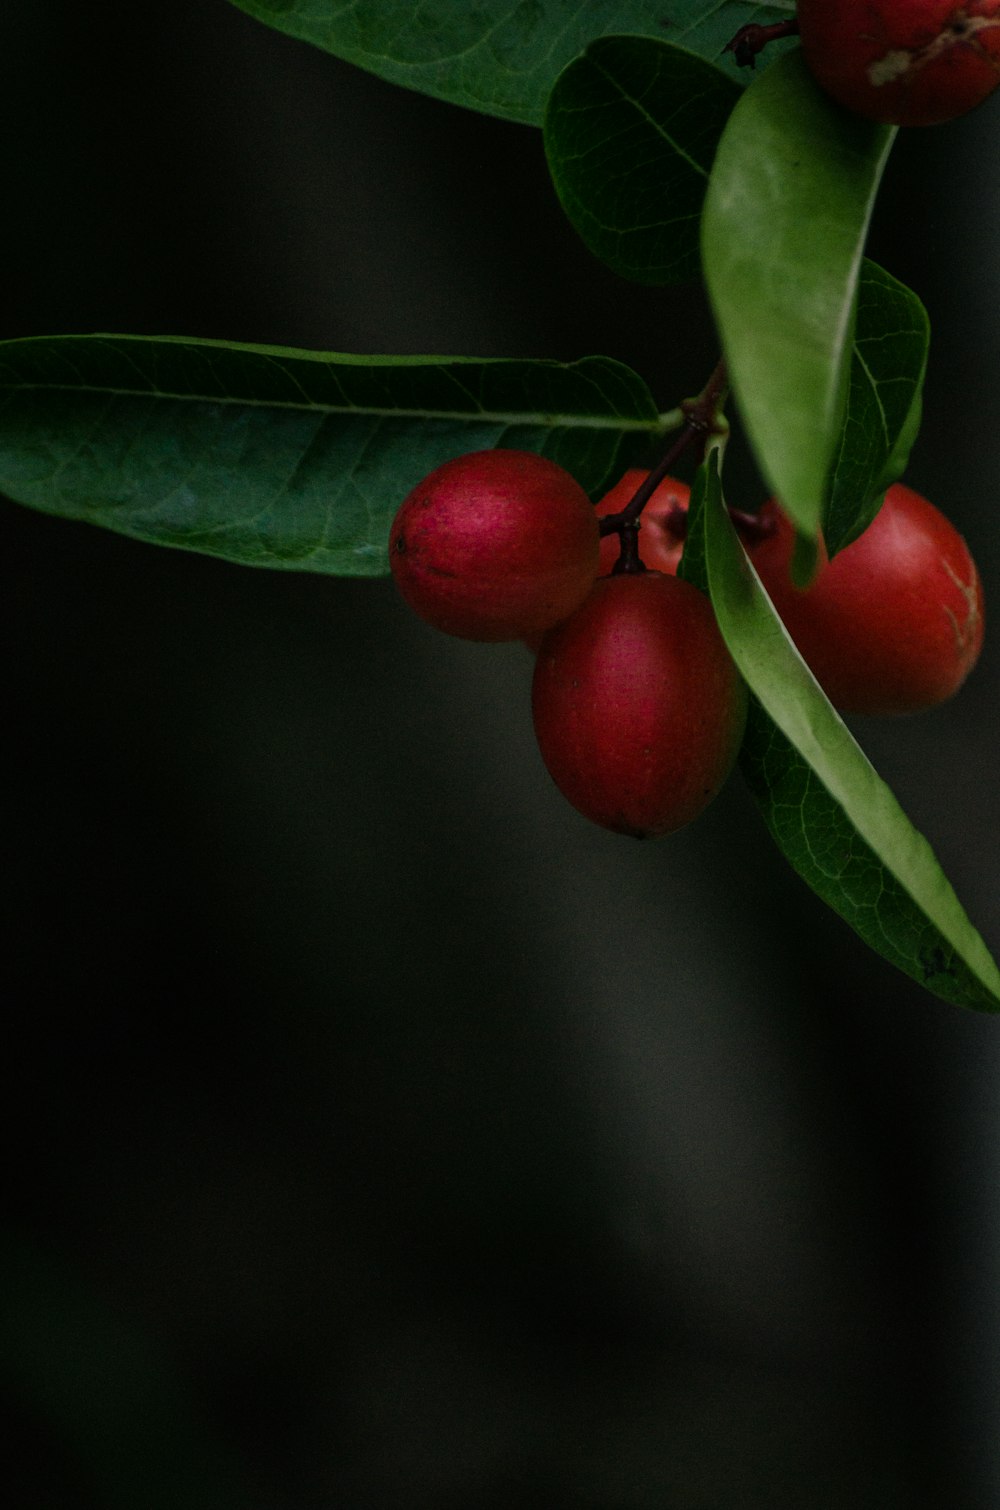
x: 638, y: 708
x: 495, y: 545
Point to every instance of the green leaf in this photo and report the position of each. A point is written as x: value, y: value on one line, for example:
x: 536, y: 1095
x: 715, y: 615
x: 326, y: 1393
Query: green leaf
x: 888, y: 363
x: 693, y: 565
x: 630, y: 132
x: 281, y: 458
x: 785, y: 220
x: 502, y: 58
x: 835, y: 820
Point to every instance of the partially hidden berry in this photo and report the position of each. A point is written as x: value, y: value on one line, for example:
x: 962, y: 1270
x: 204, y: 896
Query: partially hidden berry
x: 662, y: 522
x: 894, y: 623
x: 662, y: 527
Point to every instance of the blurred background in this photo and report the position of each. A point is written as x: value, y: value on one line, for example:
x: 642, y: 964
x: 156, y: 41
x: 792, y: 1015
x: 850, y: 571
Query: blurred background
x: 378, y: 1133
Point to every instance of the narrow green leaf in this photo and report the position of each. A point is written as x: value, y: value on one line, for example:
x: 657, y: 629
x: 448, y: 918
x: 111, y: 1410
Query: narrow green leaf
x: 888, y: 363
x: 785, y: 220
x: 631, y: 129
x: 693, y: 565
x: 502, y: 58
x: 835, y: 820
x: 281, y: 458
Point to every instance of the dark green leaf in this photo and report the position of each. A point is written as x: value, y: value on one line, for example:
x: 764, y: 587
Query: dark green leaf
x: 281, y: 458
x: 883, y: 407
x: 502, y: 58
x: 832, y: 816
x: 693, y: 566
x: 630, y: 132
x: 785, y: 220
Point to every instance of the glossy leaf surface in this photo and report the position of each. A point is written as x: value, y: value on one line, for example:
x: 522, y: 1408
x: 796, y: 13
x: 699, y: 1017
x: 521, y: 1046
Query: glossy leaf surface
x: 832, y: 816
x: 785, y: 220
x: 631, y: 129
x: 502, y: 58
x: 280, y: 458
x: 888, y: 362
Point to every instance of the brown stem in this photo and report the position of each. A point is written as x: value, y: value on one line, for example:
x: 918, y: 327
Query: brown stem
x: 629, y: 563
x: 701, y: 420
x: 750, y: 40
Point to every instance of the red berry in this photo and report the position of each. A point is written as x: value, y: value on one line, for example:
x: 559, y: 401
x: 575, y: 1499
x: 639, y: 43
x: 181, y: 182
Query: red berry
x: 894, y: 623
x: 495, y: 545
x: 638, y: 707
x: 906, y: 62
x: 661, y: 542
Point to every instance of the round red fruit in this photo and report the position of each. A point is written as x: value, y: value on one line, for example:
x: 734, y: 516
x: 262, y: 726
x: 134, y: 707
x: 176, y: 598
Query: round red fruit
x: 495, y: 545
x: 894, y: 623
x: 905, y: 62
x: 663, y: 521
x: 638, y: 708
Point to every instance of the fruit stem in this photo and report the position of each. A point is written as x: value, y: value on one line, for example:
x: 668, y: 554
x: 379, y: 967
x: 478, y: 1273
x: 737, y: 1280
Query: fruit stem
x: 704, y: 425
x: 752, y: 39
x: 629, y: 563
x: 702, y: 420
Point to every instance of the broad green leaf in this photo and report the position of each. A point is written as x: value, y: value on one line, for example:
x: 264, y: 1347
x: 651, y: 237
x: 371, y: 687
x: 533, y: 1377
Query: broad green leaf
x: 888, y: 363
x: 785, y: 220
x: 630, y: 132
x: 281, y: 458
x: 502, y: 58
x: 832, y: 816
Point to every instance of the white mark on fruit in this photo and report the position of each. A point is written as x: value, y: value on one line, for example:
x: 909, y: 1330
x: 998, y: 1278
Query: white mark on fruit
x: 893, y: 66
x: 961, y: 31
x: 965, y: 633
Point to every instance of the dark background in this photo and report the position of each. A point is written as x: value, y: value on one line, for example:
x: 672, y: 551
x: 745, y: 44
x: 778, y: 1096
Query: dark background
x: 380, y: 1134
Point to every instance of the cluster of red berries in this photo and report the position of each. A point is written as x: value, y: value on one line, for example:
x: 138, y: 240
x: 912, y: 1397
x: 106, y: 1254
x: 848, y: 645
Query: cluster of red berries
x: 638, y: 708
x: 637, y: 705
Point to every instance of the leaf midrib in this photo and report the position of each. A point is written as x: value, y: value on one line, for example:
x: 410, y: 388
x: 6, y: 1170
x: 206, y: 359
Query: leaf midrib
x: 481, y: 416
x: 657, y: 127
